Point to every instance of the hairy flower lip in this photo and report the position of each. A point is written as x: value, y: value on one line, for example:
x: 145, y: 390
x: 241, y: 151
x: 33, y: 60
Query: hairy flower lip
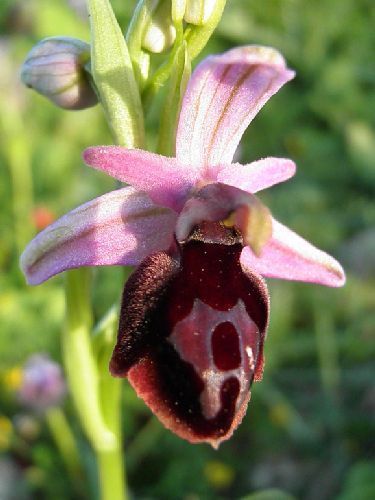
x: 166, y: 297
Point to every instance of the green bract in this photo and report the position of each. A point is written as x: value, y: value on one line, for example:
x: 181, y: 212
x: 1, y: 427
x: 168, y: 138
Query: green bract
x: 114, y: 76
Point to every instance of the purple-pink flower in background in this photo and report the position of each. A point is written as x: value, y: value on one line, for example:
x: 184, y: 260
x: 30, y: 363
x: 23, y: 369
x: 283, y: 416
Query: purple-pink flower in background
x: 43, y: 385
x: 195, y: 312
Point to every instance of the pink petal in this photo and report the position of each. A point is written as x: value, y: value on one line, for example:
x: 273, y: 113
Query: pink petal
x: 258, y: 175
x: 223, y: 96
x: 119, y: 228
x: 165, y: 181
x: 288, y: 256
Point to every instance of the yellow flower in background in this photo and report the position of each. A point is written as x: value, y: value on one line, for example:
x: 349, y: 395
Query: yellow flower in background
x: 219, y: 474
x: 280, y: 414
x: 6, y: 432
x: 13, y: 378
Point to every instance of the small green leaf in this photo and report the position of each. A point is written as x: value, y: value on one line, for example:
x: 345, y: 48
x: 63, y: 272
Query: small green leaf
x: 114, y: 77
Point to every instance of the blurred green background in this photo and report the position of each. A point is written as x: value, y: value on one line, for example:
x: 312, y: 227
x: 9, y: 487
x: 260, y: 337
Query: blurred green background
x: 309, y: 429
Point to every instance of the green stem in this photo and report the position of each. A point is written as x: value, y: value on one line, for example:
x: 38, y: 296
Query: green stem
x: 196, y: 38
x: 99, y: 410
x: 65, y: 442
x: 111, y: 474
x: 162, y: 74
x: 80, y: 364
x: 173, y: 102
x: 112, y: 460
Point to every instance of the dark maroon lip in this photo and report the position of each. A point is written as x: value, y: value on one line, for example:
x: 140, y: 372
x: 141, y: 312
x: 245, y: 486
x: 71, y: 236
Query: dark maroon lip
x: 197, y: 322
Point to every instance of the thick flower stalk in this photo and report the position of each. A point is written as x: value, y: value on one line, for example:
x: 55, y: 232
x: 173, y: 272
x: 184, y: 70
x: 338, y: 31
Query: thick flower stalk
x: 195, y: 312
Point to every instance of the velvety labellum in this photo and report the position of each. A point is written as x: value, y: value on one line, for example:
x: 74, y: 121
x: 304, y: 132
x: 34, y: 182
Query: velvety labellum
x: 192, y: 345
x: 219, y: 345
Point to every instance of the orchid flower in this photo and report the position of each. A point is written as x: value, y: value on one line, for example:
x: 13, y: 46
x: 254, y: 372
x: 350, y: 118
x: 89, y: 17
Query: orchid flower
x: 195, y: 312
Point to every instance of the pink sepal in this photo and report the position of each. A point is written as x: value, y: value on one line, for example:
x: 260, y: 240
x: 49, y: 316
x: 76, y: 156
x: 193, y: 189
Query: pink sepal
x: 288, y: 256
x: 119, y: 228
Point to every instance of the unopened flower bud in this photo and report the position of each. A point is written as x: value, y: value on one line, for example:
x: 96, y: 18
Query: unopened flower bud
x: 199, y: 11
x: 55, y: 68
x: 43, y: 385
x: 160, y: 34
